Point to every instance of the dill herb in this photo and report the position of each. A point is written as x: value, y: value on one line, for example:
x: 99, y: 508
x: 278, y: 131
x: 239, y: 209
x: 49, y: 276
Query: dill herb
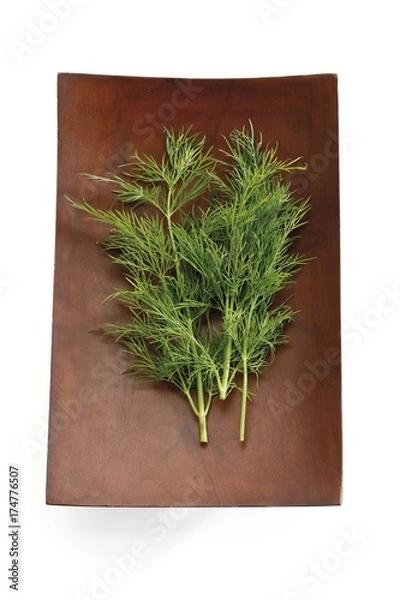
x: 204, y: 266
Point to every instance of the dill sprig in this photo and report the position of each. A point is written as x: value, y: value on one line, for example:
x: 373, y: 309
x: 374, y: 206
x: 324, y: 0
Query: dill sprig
x: 203, y: 268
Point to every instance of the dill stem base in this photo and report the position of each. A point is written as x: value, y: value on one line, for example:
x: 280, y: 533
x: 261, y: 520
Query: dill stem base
x: 243, y: 406
x: 203, y: 429
x: 225, y: 377
x: 201, y: 410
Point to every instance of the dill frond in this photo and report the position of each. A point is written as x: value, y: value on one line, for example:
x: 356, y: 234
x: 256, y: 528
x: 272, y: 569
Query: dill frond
x: 201, y: 284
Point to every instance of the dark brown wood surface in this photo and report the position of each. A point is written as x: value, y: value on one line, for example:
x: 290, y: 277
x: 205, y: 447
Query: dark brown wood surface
x: 119, y: 441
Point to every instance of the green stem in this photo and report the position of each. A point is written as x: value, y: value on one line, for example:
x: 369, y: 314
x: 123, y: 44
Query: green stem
x: 208, y: 403
x: 243, y: 406
x: 173, y: 245
x: 192, y: 404
x: 225, y: 375
x: 201, y: 410
x: 227, y: 354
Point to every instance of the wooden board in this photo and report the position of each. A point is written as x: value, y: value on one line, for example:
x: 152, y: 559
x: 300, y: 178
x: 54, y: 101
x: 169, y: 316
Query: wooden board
x: 118, y: 441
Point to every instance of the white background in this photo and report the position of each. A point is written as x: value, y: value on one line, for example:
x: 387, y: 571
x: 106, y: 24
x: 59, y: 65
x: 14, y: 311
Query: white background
x: 262, y: 554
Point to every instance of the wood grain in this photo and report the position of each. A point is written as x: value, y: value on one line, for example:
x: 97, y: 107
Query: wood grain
x: 117, y: 441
